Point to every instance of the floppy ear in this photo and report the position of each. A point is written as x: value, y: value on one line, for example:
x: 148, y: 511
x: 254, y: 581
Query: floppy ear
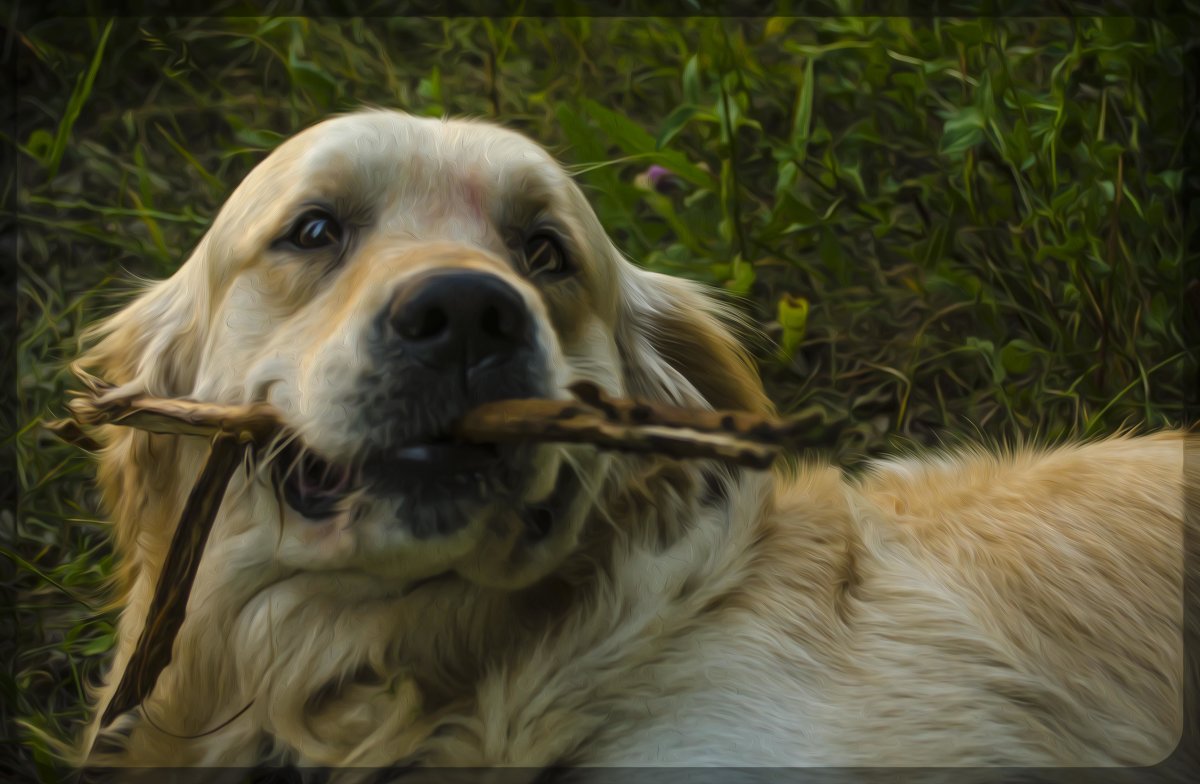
x: 153, y: 344
x: 678, y: 346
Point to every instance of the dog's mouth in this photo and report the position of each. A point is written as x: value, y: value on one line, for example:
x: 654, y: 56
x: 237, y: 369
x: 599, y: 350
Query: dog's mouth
x: 313, y: 486
x: 318, y: 488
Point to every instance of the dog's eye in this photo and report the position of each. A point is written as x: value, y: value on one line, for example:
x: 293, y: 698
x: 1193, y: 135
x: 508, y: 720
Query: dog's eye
x: 315, y: 229
x: 545, y: 255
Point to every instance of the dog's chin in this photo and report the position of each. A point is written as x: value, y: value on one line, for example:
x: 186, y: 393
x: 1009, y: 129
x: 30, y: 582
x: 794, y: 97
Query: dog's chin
x: 438, y: 488
x: 435, y: 492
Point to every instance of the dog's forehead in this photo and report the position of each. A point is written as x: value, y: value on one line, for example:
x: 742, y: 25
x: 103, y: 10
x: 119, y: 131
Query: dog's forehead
x: 382, y: 145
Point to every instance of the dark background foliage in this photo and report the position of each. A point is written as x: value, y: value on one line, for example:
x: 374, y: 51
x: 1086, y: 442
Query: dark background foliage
x: 946, y: 228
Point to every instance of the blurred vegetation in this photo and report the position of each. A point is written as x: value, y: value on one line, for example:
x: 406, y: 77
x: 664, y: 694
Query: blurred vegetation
x: 945, y: 227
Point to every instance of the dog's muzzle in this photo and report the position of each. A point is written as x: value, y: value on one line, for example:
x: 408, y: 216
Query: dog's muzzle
x: 444, y: 343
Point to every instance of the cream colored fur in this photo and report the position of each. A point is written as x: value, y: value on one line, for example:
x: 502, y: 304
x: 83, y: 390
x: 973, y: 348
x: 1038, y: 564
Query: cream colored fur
x: 965, y: 608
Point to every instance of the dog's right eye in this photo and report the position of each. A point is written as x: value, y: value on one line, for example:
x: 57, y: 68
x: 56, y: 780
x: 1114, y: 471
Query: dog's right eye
x: 315, y: 229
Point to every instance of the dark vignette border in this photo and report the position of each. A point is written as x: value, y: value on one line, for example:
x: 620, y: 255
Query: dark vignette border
x: 9, y: 409
x: 1182, y: 765
x: 626, y: 775
x: 622, y: 8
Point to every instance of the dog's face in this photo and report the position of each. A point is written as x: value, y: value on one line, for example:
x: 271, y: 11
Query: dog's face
x: 375, y: 278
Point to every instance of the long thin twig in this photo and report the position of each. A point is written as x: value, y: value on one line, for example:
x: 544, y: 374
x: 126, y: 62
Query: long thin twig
x: 593, y: 418
x: 169, y: 604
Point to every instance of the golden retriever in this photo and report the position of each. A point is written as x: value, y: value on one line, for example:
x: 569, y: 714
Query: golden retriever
x: 377, y: 595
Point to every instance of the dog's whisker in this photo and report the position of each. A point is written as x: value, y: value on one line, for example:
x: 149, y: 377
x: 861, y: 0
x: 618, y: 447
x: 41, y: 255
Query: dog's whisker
x: 276, y: 446
x: 593, y: 491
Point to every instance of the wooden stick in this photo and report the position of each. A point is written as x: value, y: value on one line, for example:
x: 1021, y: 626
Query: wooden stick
x: 257, y: 422
x: 565, y: 422
x: 595, y: 418
x: 169, y: 604
x: 737, y: 424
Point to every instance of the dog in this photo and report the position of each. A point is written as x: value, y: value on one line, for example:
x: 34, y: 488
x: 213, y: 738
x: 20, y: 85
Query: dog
x: 376, y: 595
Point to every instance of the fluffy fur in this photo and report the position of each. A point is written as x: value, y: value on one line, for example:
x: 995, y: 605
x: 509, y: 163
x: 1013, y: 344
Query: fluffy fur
x: 1020, y: 608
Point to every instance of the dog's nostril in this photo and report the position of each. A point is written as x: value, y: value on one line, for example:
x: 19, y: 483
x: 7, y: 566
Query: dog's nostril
x: 428, y: 323
x: 500, y: 322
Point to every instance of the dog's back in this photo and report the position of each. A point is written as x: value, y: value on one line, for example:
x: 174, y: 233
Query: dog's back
x: 1018, y: 607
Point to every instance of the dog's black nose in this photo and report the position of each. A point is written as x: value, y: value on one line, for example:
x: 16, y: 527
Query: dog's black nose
x: 463, y: 318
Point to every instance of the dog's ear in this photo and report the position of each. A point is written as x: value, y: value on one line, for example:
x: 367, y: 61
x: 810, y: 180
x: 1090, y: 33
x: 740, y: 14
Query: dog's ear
x: 679, y: 346
x: 153, y: 344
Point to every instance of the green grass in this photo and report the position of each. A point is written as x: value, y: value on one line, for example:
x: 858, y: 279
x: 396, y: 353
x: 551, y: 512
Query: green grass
x: 945, y: 227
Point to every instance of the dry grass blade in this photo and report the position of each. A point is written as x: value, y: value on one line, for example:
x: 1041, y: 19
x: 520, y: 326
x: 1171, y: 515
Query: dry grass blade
x: 169, y: 605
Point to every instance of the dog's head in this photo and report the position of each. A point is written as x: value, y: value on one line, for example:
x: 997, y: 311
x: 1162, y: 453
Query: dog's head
x: 376, y: 277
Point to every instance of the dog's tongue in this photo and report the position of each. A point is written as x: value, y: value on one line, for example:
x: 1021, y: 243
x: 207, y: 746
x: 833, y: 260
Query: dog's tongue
x: 446, y: 456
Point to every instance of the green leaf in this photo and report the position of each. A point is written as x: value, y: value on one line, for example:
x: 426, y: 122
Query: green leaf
x: 793, y: 318
x: 786, y: 177
x: 1065, y: 198
x: 99, y: 645
x: 314, y: 82
x: 39, y: 145
x: 1099, y: 268
x: 430, y: 88
x: 79, y: 96
x: 802, y: 123
x: 988, y: 350
x: 258, y: 138
x: 790, y: 215
x: 632, y: 138
x: 691, y: 80
x: 935, y: 250
x: 830, y: 251
x: 743, y: 278
x: 962, y: 130
x: 587, y: 147
x: 674, y: 124
x: 1017, y: 356
x: 1172, y: 178
x: 1159, y: 314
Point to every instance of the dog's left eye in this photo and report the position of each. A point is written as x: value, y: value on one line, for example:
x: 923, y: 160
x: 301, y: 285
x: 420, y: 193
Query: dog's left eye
x: 315, y: 229
x: 545, y: 255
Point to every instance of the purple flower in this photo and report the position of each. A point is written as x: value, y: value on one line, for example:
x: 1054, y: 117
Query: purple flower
x: 658, y: 178
x: 655, y: 174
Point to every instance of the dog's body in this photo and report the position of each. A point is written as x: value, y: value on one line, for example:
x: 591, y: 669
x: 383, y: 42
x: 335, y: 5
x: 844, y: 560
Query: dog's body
x: 1023, y: 609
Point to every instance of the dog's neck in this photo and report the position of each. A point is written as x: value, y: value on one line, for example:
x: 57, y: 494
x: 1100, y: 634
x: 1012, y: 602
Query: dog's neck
x: 633, y: 590
x: 653, y: 511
